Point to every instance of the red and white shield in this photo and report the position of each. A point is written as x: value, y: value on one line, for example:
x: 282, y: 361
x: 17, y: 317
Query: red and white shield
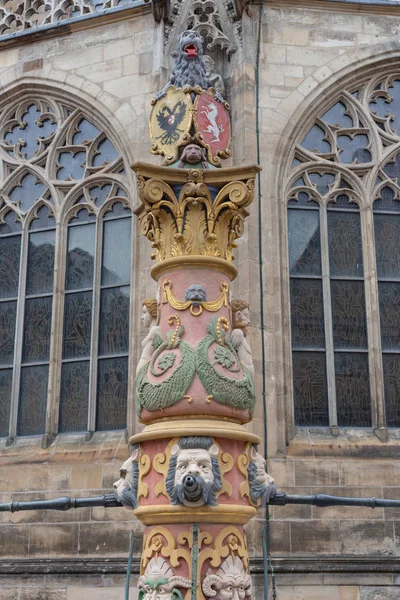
x: 212, y: 122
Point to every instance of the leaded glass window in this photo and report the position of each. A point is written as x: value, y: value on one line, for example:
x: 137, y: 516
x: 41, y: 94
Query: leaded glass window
x: 343, y: 199
x: 65, y: 261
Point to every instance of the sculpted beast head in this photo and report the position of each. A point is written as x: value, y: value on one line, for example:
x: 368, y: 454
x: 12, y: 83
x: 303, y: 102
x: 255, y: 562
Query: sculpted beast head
x: 193, y: 473
x: 125, y: 489
x: 261, y: 484
x: 190, y: 45
x: 196, y: 293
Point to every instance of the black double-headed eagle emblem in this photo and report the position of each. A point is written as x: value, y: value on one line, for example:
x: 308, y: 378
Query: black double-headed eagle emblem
x: 169, y: 120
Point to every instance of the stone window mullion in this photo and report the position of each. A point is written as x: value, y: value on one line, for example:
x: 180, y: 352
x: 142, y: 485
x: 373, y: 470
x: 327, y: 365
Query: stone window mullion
x: 95, y: 328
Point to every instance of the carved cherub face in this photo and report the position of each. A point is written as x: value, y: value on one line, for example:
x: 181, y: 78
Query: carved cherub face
x: 196, y: 293
x: 194, y: 462
x: 146, y: 316
x: 243, y: 316
x: 260, y: 462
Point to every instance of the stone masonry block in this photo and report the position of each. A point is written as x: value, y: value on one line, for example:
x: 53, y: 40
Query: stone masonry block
x: 294, y: 36
x: 316, y: 472
x: 315, y: 537
x: 379, y: 593
x: 14, y: 540
x: 112, y: 538
x: 52, y: 540
x: 366, y: 537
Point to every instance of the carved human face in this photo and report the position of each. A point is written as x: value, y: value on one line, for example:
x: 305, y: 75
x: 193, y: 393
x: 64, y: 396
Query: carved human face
x: 156, y: 590
x: 243, y: 316
x: 260, y: 463
x: 233, y: 588
x: 195, y: 462
x: 196, y: 293
x: 146, y: 317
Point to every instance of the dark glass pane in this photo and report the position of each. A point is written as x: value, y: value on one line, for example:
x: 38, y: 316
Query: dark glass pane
x: 105, y: 153
x: 80, y: 258
x: 100, y: 194
x: 77, y: 325
x: 31, y: 129
x: 117, y: 210
x: 338, y: 115
x: 40, y: 262
x: 352, y: 390
x: 383, y: 107
x: 392, y: 167
x: 389, y: 305
x: 304, y: 242
x: 316, y: 141
x: 10, y: 249
x: 5, y: 401
x: 348, y: 314
x: 112, y: 390
x: 391, y: 378
x: 303, y: 199
x: 32, y: 400
x: 43, y: 220
x: 27, y: 192
x: 116, y: 265
x: 354, y: 149
x: 345, y: 249
x: 388, y: 201
x: 310, y: 389
x: 86, y: 132
x: 387, y: 245
x: 37, y: 326
x: 74, y: 397
x: 8, y: 312
x: 10, y: 224
x: 307, y: 313
x: 114, y: 321
x: 343, y: 201
x: 322, y: 181
x: 72, y: 165
x: 83, y: 216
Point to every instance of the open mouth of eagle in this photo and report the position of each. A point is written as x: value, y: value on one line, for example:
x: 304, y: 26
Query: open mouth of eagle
x: 191, y: 50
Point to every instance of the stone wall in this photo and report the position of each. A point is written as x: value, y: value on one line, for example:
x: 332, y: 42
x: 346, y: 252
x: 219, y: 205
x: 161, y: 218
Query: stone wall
x: 318, y: 554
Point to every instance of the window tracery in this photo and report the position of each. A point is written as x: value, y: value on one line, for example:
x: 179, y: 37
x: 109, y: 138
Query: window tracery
x: 63, y: 212
x: 343, y: 199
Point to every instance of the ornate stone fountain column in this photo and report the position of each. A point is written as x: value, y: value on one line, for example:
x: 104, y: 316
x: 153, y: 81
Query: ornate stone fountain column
x: 195, y: 477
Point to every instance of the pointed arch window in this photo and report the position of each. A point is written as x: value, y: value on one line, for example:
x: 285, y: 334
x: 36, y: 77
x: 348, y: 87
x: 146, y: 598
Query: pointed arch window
x: 65, y: 266
x: 343, y: 211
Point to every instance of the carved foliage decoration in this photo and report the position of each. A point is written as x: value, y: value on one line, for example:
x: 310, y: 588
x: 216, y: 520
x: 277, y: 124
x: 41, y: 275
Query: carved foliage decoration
x: 22, y: 15
x: 189, y: 221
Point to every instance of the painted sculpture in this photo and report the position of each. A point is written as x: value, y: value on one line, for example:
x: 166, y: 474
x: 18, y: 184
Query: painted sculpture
x: 149, y: 320
x: 230, y: 582
x: 240, y: 323
x: 125, y: 489
x: 195, y: 478
x: 160, y: 583
x: 262, y: 486
x: 193, y: 474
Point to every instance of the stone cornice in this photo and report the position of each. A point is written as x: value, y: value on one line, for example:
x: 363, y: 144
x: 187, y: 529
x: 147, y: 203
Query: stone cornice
x: 337, y: 6
x: 282, y: 565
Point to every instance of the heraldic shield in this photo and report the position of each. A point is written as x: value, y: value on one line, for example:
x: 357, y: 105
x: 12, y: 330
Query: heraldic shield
x: 170, y: 122
x: 212, y: 125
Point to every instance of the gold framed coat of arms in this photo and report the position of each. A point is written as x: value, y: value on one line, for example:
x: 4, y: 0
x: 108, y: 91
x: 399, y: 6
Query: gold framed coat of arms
x: 170, y: 123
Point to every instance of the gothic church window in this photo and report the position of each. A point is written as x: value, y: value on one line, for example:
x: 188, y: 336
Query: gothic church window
x: 65, y: 262
x: 343, y: 204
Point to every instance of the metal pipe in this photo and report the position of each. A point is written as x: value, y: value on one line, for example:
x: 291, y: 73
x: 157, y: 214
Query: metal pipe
x: 280, y: 499
x: 64, y: 503
x: 129, y: 567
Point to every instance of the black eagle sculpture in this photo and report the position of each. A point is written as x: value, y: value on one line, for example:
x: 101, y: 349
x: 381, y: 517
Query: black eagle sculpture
x: 169, y: 120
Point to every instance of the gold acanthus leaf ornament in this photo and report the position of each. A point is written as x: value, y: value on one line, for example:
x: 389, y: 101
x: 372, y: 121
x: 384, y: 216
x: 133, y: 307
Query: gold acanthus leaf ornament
x: 193, y: 212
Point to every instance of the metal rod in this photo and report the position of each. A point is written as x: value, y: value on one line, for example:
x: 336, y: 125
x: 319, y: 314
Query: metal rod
x: 64, y: 503
x: 323, y: 500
